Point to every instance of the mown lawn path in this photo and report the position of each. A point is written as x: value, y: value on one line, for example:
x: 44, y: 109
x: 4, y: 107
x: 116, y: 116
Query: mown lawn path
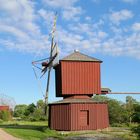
x: 6, y: 136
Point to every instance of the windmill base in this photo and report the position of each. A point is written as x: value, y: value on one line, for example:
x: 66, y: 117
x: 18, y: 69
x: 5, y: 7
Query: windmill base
x: 74, y: 114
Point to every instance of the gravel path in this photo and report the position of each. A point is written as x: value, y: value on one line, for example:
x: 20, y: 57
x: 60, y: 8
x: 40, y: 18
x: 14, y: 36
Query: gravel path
x: 6, y: 136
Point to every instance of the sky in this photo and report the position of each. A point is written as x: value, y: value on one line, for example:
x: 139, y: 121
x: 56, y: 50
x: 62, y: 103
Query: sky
x: 105, y: 29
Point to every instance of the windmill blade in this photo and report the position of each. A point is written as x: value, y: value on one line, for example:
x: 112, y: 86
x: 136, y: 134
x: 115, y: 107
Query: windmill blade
x: 36, y: 66
x: 49, y: 65
x: 39, y: 61
x: 46, y: 65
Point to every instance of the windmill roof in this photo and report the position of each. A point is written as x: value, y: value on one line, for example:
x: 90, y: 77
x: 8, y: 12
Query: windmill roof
x: 77, y: 56
x: 69, y: 101
x: 106, y: 89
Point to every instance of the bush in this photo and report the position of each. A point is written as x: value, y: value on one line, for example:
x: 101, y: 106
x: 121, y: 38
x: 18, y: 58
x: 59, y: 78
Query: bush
x: 5, y: 115
x: 119, y: 125
x: 136, y: 130
x: 1, y: 121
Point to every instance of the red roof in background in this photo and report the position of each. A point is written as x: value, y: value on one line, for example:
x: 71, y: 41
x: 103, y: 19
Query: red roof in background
x: 4, y: 107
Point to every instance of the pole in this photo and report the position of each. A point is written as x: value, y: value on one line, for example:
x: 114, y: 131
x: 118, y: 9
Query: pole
x: 49, y: 71
x: 48, y: 82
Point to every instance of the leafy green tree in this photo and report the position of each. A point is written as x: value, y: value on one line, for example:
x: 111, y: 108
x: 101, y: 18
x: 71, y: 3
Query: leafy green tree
x: 136, y: 119
x: 37, y: 115
x: 117, y: 112
x: 20, y: 110
x: 30, y: 109
x: 130, y: 103
x: 40, y: 105
x: 100, y: 98
x: 136, y: 114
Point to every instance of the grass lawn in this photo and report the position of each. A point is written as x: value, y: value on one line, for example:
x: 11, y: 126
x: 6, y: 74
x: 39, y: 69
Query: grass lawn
x: 39, y: 131
x: 26, y: 134
x: 29, y: 130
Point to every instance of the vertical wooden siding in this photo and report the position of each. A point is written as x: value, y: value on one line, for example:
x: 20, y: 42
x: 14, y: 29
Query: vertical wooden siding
x: 67, y: 116
x: 80, y: 78
x: 102, y: 116
x: 98, y: 116
x: 59, y: 117
x: 75, y: 121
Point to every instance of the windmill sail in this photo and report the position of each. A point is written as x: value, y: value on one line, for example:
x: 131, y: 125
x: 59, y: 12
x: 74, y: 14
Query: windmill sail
x: 55, y: 55
x: 48, y: 63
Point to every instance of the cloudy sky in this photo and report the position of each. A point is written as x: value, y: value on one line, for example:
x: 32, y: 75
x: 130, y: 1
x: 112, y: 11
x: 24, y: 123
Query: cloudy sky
x: 105, y: 29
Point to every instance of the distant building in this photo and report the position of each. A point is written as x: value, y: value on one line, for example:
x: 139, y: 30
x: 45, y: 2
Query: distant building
x: 4, y: 107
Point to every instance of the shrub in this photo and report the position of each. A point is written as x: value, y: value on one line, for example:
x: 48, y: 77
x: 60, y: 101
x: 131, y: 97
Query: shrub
x: 1, y: 121
x: 136, y: 130
x: 5, y: 115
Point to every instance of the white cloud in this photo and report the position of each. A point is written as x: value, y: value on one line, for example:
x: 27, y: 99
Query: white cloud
x: 19, y: 30
x: 90, y: 30
x: 117, y: 17
x: 82, y: 28
x: 88, y: 18
x: 102, y: 34
x: 48, y: 17
x: 60, y: 3
x: 69, y: 10
x: 72, y: 13
x: 13, y: 31
x: 122, y: 42
x: 136, y: 26
x: 18, y: 26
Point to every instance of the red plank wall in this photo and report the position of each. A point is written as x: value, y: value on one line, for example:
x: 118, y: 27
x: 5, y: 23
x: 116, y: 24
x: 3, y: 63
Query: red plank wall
x: 59, y: 117
x: 77, y: 78
x: 69, y: 116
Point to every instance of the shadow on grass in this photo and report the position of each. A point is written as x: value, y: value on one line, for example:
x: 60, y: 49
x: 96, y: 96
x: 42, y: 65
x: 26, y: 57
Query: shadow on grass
x: 31, y: 127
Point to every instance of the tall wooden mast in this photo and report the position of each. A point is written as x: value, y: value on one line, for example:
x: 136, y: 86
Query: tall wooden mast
x: 50, y: 66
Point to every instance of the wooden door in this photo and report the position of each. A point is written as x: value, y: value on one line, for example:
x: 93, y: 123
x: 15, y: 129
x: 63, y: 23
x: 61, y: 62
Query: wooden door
x: 84, y: 117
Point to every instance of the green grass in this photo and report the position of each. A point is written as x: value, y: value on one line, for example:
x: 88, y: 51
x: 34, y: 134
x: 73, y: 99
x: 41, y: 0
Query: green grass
x: 29, y: 130
x: 26, y: 134
x: 39, y: 131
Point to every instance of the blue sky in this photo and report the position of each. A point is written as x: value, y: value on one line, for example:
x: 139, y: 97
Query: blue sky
x: 108, y: 30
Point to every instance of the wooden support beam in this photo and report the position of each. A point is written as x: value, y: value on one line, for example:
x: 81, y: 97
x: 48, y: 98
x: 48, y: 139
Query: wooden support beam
x: 124, y: 93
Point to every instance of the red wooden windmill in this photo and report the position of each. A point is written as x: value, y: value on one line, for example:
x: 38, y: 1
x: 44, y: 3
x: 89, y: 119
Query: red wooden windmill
x: 77, y: 78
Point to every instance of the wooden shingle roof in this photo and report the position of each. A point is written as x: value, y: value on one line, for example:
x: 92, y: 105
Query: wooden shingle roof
x: 69, y: 101
x: 77, y: 56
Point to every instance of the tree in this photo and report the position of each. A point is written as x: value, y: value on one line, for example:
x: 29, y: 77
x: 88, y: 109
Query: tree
x: 136, y: 119
x: 20, y: 110
x: 117, y: 112
x: 40, y: 104
x: 130, y: 103
x: 37, y: 115
x: 30, y: 109
x: 100, y: 98
x: 136, y: 113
